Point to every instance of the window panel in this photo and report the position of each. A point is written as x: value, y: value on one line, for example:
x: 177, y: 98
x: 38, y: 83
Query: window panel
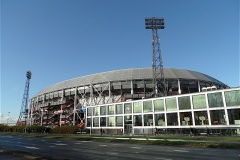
x: 147, y: 106
x: 234, y: 116
x: 172, y: 119
x: 185, y: 118
x: 137, y: 120
x: 103, y: 121
x: 171, y: 104
x: 89, y: 122
x: 128, y: 108
x: 148, y: 120
x: 215, y: 100
x: 110, y: 121
x: 232, y: 98
x: 218, y: 117
x: 110, y: 109
x: 201, y: 118
x: 119, y: 121
x: 96, y: 122
x: 137, y: 107
x: 160, y: 119
x: 158, y: 105
x: 199, y: 101
x: 96, y: 111
x: 89, y: 111
x: 103, y: 110
x: 184, y: 103
x: 119, y: 109
x: 128, y: 119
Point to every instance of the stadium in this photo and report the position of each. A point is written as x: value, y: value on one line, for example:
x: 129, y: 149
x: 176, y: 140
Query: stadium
x: 122, y: 102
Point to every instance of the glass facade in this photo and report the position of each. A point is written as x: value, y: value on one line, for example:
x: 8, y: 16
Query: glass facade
x: 219, y: 108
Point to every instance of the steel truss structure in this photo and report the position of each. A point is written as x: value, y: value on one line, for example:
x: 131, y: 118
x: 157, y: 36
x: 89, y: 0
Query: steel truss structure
x: 22, y: 120
x: 159, y: 85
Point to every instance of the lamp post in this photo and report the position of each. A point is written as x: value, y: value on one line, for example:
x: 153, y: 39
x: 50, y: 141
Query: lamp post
x: 41, y: 117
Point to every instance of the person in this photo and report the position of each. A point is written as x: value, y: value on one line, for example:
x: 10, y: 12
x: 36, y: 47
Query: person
x: 208, y: 132
x: 101, y: 131
x: 156, y: 131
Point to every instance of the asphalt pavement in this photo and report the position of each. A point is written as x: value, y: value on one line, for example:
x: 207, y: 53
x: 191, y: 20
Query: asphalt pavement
x: 19, y: 147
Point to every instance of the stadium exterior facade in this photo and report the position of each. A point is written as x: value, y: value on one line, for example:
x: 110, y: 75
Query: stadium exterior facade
x: 121, y: 102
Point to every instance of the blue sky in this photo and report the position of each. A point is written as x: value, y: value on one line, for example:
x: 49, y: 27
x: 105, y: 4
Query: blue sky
x: 60, y: 39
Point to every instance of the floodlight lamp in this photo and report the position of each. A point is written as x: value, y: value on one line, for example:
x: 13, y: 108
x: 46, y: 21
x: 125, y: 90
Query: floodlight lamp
x: 29, y: 74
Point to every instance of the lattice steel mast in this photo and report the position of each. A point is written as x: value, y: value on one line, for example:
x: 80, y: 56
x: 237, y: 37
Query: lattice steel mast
x: 159, y: 86
x: 22, y: 120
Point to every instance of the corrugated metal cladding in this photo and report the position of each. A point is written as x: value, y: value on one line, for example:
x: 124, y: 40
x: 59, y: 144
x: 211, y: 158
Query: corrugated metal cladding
x: 129, y: 74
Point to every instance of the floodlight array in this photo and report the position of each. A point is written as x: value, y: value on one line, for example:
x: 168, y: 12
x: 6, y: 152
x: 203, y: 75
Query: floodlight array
x: 154, y: 23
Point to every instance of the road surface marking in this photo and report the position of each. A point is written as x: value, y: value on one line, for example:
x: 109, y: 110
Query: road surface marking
x: 122, y: 138
x: 181, y: 151
x: 111, y: 153
x: 140, y: 139
x: 103, y: 145
x: 136, y: 147
x: 77, y: 149
x: 163, y: 158
x: 78, y: 143
x: 43, y: 140
x: 31, y: 147
x: 60, y: 144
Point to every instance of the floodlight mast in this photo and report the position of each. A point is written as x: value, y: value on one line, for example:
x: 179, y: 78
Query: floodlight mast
x: 159, y: 86
x: 24, y: 110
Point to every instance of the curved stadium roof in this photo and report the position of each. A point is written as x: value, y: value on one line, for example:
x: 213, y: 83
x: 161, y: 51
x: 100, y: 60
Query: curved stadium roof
x: 128, y: 74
